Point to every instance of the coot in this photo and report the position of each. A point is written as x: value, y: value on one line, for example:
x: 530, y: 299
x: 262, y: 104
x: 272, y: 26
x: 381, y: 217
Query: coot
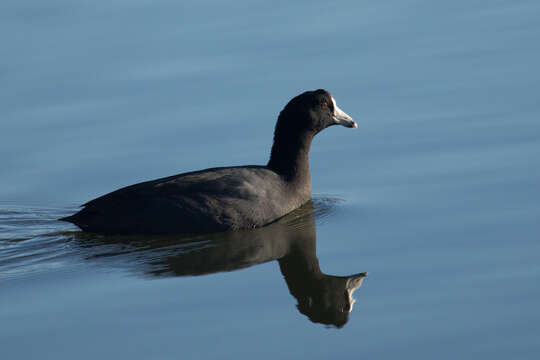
x: 224, y: 198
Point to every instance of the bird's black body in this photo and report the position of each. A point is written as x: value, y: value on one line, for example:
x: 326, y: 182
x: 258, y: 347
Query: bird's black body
x: 210, y: 200
x: 224, y: 198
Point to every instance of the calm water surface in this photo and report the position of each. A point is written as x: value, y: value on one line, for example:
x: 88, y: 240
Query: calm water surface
x: 435, y: 195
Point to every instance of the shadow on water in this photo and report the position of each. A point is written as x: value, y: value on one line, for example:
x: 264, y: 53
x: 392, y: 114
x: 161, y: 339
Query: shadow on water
x: 323, y: 298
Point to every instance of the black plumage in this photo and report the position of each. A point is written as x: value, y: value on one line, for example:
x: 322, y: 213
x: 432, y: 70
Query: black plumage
x: 223, y: 198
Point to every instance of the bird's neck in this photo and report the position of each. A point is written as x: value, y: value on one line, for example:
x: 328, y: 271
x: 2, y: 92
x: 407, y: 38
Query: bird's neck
x: 290, y: 159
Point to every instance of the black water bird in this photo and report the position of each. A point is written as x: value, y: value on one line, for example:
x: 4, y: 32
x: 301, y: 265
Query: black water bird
x: 225, y: 198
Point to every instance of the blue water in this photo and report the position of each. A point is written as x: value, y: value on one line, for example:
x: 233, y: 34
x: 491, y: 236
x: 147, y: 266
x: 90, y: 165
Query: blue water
x: 435, y: 195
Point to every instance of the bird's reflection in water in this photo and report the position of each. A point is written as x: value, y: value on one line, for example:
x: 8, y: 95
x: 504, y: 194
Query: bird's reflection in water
x: 325, y: 299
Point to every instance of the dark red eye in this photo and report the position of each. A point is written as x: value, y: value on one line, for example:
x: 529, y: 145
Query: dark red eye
x: 324, y: 104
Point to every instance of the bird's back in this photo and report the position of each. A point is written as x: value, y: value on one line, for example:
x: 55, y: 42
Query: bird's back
x: 209, y: 200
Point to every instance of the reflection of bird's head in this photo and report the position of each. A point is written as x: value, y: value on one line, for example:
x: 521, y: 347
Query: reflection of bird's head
x: 329, y: 300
